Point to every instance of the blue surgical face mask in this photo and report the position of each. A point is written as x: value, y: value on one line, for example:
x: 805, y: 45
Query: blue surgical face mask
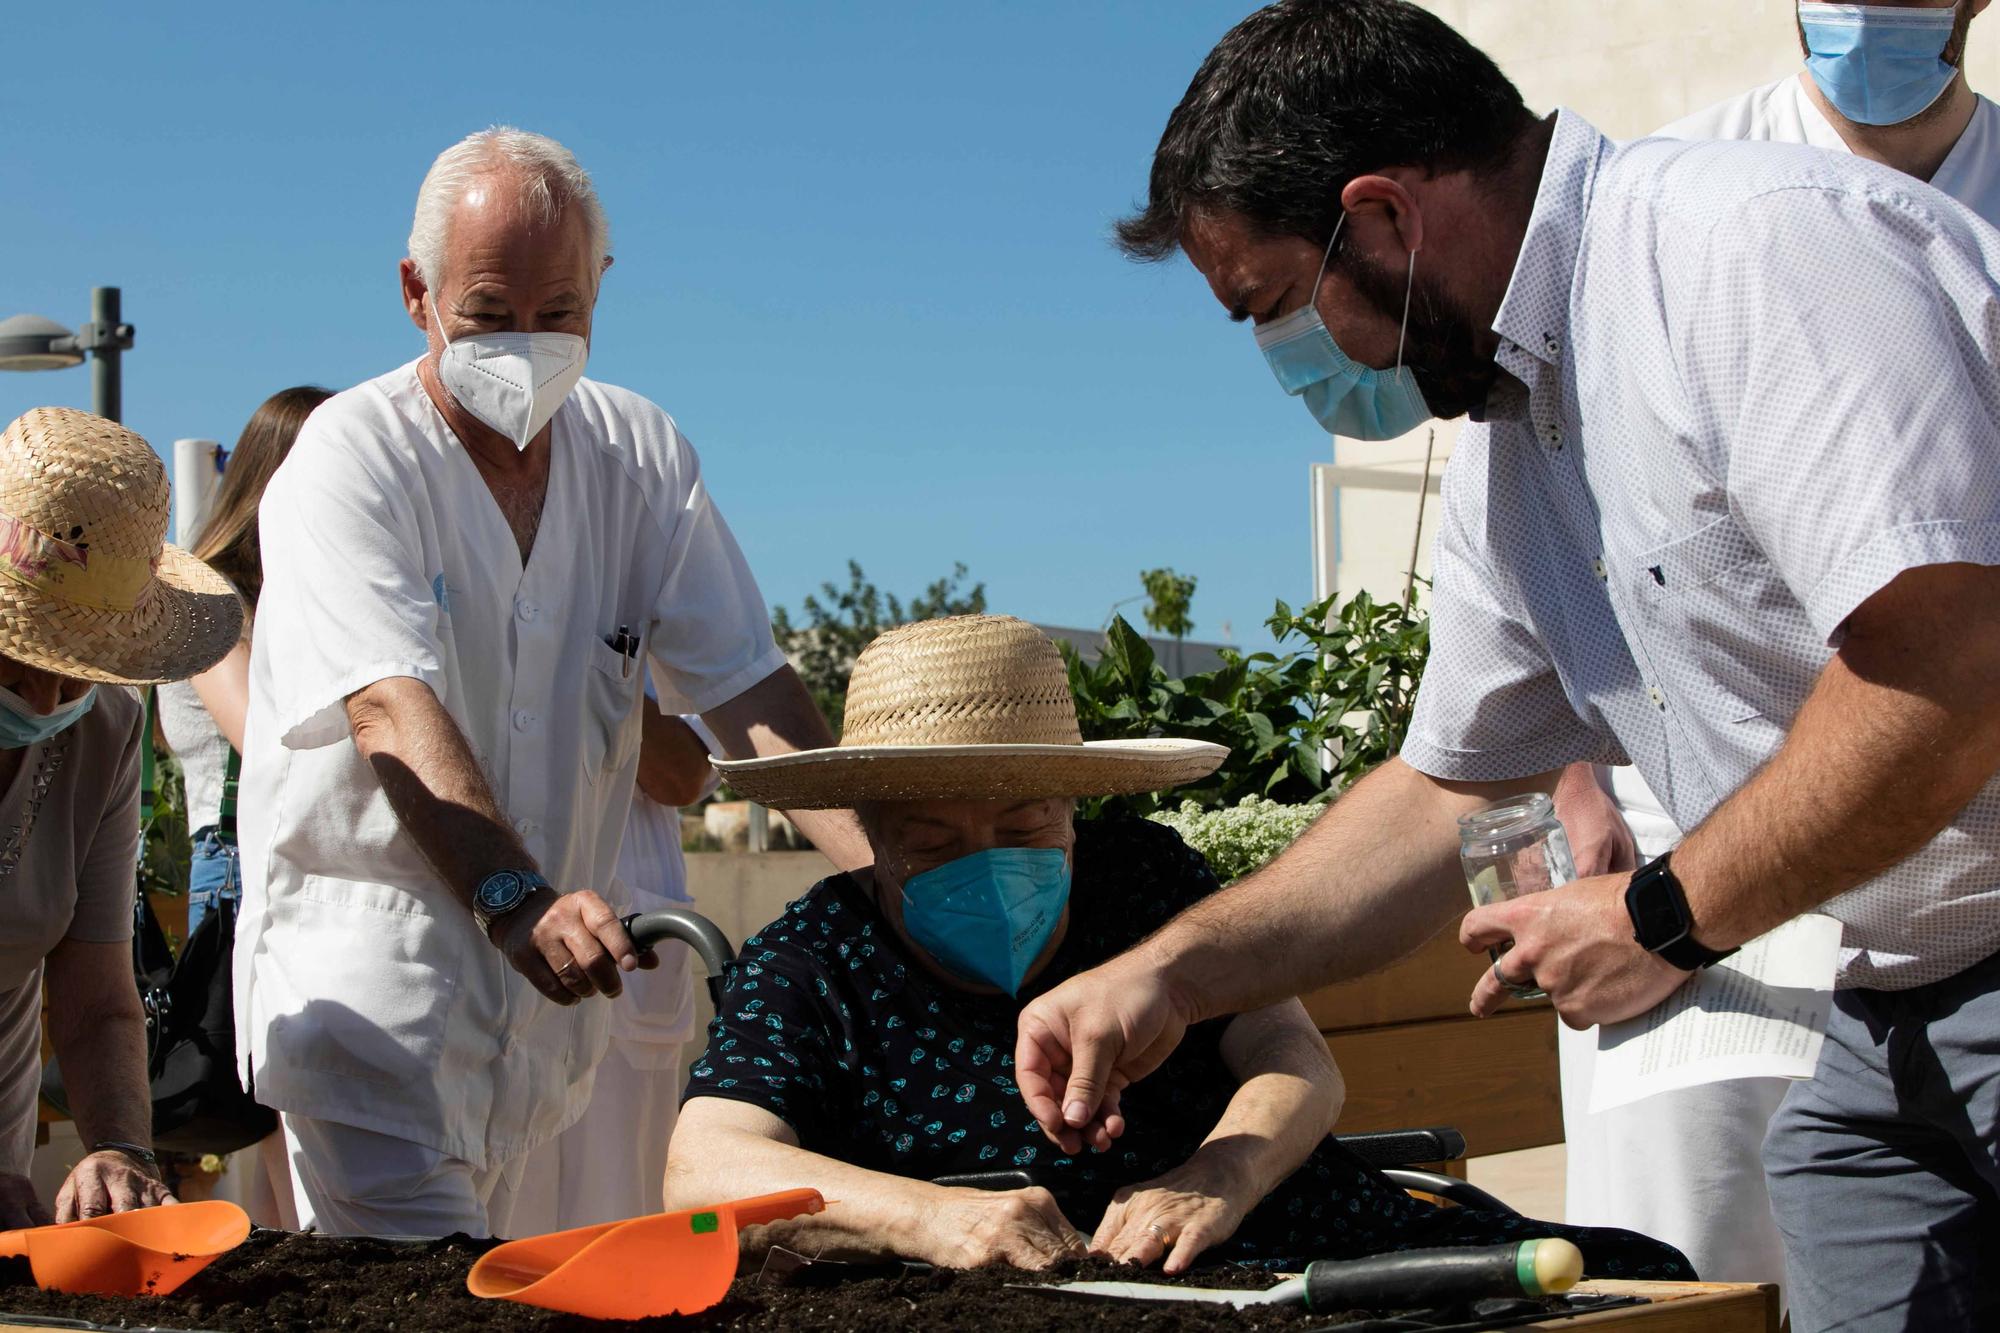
x: 988, y: 916
x: 1344, y: 396
x: 1878, y: 64
x: 21, y: 725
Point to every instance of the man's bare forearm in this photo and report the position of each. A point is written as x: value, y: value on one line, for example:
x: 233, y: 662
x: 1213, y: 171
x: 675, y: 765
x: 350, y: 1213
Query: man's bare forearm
x: 778, y: 716
x: 1902, y: 729
x: 99, y: 1034
x: 434, y: 784
x: 1375, y: 877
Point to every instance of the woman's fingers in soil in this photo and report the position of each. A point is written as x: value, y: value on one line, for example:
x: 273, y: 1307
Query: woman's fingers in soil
x: 1188, y: 1247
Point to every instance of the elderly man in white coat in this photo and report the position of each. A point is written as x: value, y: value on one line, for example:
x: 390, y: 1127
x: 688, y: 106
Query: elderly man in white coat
x: 1884, y: 82
x: 470, y: 562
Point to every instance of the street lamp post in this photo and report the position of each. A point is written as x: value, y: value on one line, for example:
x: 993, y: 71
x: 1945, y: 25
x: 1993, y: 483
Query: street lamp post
x: 30, y: 342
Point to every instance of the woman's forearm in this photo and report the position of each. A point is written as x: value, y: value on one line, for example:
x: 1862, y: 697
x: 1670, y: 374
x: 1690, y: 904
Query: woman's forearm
x: 98, y: 1032
x: 1288, y: 1098
x: 873, y: 1215
x: 224, y: 690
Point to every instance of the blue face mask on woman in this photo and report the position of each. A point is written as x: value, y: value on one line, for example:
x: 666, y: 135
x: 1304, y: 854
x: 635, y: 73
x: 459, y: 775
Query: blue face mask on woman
x: 21, y: 725
x: 988, y: 916
x: 1344, y: 396
x: 1878, y: 64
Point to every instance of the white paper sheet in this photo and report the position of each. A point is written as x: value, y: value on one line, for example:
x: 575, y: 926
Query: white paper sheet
x: 1761, y: 1013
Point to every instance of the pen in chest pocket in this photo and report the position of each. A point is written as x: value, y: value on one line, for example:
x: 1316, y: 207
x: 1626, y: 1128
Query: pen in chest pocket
x: 626, y: 644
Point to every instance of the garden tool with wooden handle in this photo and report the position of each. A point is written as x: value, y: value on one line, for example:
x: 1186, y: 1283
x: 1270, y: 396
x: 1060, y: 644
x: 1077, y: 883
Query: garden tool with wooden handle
x: 145, y: 1252
x: 1407, y: 1280
x: 669, y: 1263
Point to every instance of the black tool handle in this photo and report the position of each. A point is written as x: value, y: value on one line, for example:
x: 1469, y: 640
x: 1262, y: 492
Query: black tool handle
x: 1417, y: 1278
x: 694, y: 930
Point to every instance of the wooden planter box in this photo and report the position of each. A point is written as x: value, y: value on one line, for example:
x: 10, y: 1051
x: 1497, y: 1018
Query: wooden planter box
x: 1413, y: 1055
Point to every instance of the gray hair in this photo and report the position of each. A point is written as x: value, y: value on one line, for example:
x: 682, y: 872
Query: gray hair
x: 551, y: 181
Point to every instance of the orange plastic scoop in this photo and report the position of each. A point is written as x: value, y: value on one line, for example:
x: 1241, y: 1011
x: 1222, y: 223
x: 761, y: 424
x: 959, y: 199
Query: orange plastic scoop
x: 146, y: 1252
x: 668, y: 1263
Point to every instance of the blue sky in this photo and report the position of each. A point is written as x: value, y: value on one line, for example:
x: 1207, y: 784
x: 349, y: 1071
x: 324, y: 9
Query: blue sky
x: 862, y: 258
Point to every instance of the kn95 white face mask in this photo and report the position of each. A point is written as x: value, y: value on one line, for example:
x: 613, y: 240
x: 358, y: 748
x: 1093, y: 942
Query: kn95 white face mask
x: 514, y: 382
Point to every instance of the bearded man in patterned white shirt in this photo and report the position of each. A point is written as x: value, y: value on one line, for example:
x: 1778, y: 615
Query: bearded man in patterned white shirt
x: 1737, y: 522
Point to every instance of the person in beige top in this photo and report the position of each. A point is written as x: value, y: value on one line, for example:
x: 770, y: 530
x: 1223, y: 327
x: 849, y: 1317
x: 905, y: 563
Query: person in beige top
x: 92, y: 600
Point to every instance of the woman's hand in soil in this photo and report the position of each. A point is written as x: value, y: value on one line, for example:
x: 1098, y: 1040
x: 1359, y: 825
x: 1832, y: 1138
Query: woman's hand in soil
x: 969, y: 1228
x: 108, y: 1182
x: 1177, y: 1215
x: 18, y: 1205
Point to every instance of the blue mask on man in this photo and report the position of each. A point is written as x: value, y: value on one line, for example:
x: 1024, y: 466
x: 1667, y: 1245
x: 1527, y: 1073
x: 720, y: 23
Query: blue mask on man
x: 1344, y: 396
x: 21, y: 725
x: 1878, y: 64
x: 988, y: 916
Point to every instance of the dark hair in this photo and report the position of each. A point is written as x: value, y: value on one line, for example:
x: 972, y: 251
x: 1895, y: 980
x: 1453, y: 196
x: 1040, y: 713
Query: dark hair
x: 1303, y: 96
x: 228, y: 537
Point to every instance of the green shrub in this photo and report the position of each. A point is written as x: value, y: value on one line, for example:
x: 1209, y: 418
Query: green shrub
x: 1301, y: 723
x: 1239, y: 839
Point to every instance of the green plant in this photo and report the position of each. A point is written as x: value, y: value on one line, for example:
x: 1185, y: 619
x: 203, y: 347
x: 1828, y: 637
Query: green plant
x: 164, y: 848
x: 1168, y: 599
x: 840, y: 622
x: 1300, y: 723
x: 1238, y: 839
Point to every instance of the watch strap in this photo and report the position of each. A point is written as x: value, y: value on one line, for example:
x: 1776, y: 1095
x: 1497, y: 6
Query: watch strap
x: 138, y: 1152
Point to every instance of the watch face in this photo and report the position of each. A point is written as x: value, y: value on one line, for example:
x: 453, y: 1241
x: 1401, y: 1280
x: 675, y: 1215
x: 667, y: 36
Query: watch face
x: 1656, y: 911
x: 501, y: 890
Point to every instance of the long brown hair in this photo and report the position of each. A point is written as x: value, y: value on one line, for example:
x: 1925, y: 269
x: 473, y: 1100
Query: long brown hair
x: 228, y: 538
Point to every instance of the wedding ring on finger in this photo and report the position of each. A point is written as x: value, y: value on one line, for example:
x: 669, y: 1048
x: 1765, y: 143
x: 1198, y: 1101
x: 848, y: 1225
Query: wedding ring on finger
x: 1521, y: 990
x: 1159, y: 1233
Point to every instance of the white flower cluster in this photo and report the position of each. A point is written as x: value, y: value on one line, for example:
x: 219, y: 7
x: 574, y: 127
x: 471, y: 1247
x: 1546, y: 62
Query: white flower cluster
x: 1238, y: 840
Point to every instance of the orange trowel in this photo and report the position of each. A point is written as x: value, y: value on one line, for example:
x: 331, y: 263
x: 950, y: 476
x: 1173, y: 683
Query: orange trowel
x: 146, y: 1252
x: 668, y: 1263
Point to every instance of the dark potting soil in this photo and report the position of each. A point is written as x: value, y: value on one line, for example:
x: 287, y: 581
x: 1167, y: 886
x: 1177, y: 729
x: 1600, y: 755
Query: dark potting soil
x: 279, y: 1282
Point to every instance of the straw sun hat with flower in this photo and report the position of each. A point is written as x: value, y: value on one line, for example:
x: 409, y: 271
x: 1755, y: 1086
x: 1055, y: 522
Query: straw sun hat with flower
x: 89, y: 586
x: 966, y: 708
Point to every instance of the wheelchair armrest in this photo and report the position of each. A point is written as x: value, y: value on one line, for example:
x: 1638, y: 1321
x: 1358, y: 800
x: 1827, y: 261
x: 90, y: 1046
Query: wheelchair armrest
x: 1405, y: 1147
x: 1461, y: 1192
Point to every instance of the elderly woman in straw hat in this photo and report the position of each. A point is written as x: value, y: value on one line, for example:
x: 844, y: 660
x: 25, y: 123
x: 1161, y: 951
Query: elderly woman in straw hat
x: 864, y: 1043
x: 91, y: 597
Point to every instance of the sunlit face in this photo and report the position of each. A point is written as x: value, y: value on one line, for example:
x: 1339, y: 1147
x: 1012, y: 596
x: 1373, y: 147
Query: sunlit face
x: 43, y: 691
x: 1259, y: 277
x: 910, y: 837
x: 507, y: 272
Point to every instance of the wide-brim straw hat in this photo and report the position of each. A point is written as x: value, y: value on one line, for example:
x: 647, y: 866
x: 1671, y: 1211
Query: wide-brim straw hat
x: 89, y: 586
x: 964, y: 708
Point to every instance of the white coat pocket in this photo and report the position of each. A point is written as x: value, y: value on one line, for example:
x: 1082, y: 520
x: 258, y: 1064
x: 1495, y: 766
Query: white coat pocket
x: 611, y: 722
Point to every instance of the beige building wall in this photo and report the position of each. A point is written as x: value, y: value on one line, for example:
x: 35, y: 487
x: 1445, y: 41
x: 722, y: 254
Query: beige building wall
x: 1628, y: 66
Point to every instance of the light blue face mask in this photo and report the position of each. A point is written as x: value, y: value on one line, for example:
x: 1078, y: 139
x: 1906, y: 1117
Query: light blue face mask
x: 989, y: 915
x: 1878, y: 64
x: 21, y: 725
x: 1344, y: 396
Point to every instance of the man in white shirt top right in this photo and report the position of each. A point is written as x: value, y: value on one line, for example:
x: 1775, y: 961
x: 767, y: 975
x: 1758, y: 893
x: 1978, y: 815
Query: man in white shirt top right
x: 1883, y: 82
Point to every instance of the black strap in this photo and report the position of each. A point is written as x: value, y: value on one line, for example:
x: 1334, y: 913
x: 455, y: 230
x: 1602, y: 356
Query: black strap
x: 225, y: 824
x: 146, y: 785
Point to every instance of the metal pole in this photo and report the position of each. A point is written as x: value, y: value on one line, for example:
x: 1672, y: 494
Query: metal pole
x: 106, y: 389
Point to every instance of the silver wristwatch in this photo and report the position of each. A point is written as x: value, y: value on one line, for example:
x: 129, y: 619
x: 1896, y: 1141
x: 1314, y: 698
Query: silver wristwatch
x: 500, y: 893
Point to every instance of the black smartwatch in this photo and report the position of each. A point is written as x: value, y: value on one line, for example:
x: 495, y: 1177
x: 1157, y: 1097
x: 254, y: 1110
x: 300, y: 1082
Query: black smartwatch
x: 1661, y: 922
x: 500, y: 893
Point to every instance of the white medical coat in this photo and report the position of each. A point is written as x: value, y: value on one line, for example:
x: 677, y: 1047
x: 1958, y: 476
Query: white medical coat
x: 365, y: 994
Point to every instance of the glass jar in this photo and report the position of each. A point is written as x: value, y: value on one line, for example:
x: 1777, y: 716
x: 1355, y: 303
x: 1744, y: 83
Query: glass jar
x: 1512, y: 847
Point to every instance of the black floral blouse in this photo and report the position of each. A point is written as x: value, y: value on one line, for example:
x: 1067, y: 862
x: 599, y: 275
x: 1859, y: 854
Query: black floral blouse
x: 830, y: 1025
